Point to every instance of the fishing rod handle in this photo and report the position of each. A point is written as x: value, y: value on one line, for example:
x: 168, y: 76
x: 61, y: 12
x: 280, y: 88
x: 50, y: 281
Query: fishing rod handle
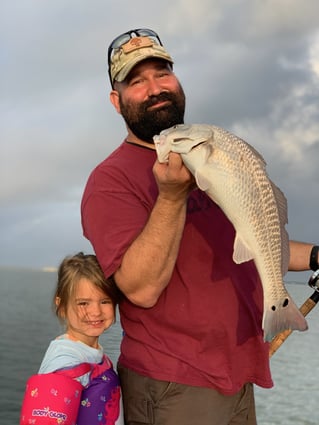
x: 278, y: 340
x: 307, y: 306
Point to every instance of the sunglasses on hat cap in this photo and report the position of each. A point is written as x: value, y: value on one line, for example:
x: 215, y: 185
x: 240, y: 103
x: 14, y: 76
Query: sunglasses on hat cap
x: 126, y: 50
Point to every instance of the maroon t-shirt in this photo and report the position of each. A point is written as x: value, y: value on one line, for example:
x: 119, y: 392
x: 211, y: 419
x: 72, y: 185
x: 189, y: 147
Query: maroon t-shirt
x: 205, y: 329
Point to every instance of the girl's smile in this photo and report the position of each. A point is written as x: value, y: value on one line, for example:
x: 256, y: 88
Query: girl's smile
x: 89, y: 314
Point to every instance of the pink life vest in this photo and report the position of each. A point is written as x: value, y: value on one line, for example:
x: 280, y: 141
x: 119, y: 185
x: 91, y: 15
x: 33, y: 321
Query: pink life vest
x: 57, y: 398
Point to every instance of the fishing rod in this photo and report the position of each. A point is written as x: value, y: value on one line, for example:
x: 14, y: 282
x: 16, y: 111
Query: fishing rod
x: 306, y: 308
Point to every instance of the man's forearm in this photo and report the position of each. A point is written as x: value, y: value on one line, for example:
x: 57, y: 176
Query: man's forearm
x: 299, y: 255
x: 148, y: 263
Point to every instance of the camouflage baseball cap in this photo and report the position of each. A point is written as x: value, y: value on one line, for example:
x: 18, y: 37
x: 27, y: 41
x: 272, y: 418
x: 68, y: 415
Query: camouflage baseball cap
x: 126, y: 51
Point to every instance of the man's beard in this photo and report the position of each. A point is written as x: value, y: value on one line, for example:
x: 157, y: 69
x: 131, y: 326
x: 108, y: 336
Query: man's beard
x: 145, y: 123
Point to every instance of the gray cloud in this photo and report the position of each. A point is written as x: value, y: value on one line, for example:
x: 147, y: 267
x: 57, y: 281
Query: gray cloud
x: 252, y: 67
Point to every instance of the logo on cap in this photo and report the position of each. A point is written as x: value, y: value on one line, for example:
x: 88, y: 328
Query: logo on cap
x: 137, y: 43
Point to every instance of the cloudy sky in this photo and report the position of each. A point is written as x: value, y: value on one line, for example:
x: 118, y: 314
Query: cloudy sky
x: 251, y: 66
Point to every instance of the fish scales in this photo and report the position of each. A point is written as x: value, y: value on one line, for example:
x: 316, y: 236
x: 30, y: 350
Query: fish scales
x: 233, y: 174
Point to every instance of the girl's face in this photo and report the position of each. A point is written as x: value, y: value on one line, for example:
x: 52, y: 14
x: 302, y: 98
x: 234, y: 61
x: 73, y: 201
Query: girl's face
x: 89, y: 314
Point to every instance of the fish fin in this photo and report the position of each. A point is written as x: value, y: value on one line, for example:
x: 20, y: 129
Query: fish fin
x: 283, y: 219
x: 281, y: 316
x: 202, y: 181
x: 285, y: 252
x: 241, y: 252
x: 257, y: 154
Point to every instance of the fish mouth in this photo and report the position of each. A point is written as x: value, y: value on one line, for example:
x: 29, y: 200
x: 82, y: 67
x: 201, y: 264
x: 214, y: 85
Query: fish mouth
x: 197, y: 145
x: 193, y: 145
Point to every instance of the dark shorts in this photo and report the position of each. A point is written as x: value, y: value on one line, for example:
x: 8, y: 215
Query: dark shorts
x: 153, y: 402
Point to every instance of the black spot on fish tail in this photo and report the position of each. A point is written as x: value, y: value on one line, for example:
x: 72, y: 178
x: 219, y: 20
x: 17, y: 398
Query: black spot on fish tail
x: 286, y: 302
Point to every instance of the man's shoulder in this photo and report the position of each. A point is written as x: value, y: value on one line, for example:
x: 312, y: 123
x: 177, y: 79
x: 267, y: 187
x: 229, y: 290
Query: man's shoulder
x: 126, y: 159
x: 125, y: 168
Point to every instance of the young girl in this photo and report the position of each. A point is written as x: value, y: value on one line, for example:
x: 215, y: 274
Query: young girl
x: 85, y: 302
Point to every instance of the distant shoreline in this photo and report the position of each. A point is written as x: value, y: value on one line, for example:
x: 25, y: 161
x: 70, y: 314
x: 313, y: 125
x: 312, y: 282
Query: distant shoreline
x: 46, y: 269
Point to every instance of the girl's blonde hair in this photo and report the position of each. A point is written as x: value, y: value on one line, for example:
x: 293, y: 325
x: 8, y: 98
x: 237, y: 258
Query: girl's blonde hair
x: 70, y: 271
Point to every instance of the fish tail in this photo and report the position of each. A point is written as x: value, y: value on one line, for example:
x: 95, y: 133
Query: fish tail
x: 282, y: 316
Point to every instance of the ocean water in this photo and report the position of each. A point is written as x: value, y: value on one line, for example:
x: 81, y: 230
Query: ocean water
x: 28, y: 324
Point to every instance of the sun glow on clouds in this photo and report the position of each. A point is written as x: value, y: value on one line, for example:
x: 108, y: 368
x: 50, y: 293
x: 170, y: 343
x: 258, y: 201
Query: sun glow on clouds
x: 292, y: 127
x: 314, y: 57
x: 298, y: 133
